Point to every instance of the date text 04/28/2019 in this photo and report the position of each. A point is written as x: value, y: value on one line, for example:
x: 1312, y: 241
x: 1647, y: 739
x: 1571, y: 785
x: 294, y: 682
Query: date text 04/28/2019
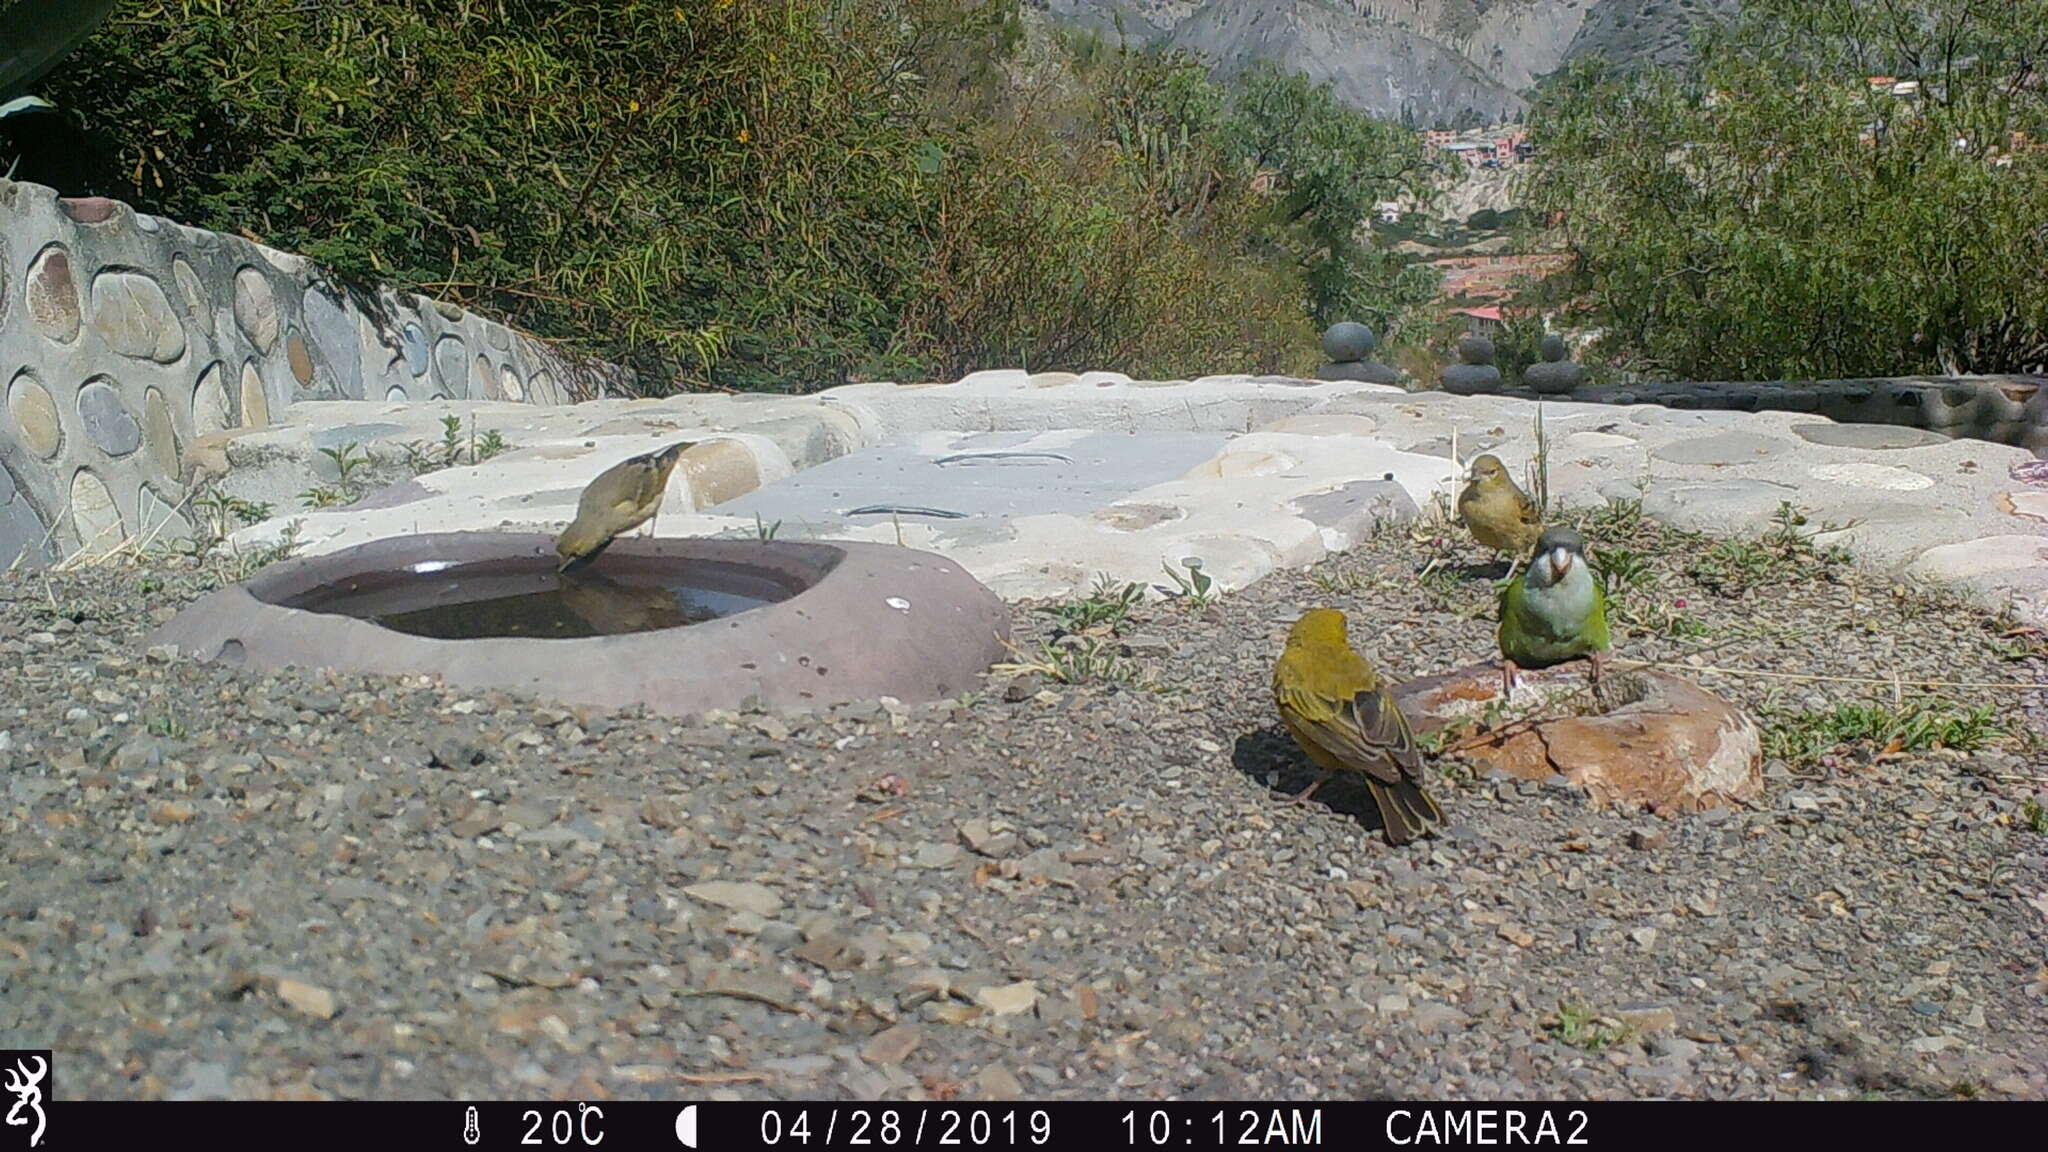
x: 912, y: 1127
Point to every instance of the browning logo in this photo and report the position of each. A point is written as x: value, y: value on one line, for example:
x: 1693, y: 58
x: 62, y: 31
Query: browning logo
x: 26, y: 1076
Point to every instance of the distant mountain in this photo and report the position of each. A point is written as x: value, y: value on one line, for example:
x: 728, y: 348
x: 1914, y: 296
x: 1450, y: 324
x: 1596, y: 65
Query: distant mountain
x: 1432, y: 62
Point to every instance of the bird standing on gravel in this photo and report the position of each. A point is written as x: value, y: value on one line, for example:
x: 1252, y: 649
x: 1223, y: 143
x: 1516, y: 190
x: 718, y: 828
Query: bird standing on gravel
x: 1554, y: 611
x: 623, y: 497
x: 1500, y: 515
x: 1341, y: 713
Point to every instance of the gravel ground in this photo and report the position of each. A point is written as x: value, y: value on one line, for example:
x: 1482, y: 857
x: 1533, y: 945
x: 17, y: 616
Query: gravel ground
x: 217, y: 883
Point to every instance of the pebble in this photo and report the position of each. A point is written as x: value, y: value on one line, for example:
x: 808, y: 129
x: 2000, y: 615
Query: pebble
x: 737, y: 896
x: 308, y: 999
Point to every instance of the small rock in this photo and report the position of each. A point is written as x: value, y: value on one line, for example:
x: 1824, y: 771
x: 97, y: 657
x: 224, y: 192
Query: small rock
x: 936, y: 855
x: 160, y: 653
x: 1145, y: 644
x: 1008, y: 999
x: 449, y: 747
x: 1022, y: 688
x: 1646, y: 1019
x: 1647, y: 840
x: 1644, y: 937
x: 308, y: 999
x: 737, y: 896
x: 996, y: 1082
x: 993, y: 839
x: 892, y: 1045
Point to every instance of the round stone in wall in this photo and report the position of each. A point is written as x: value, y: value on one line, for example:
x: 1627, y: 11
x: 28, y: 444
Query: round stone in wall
x: 256, y: 308
x: 413, y: 342
x: 330, y: 332
x: 210, y: 411
x: 160, y: 518
x: 93, y: 513
x: 198, y: 312
x: 131, y: 312
x: 544, y: 385
x: 52, y: 295
x: 159, y: 434
x: 108, y: 423
x: 35, y: 415
x: 396, y: 393
x: 451, y: 364
x: 482, y: 384
x: 295, y: 355
x: 508, y: 381
x: 255, y: 405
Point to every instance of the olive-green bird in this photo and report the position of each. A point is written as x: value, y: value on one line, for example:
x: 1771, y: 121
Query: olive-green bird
x: 623, y: 497
x: 1500, y: 515
x: 1554, y: 611
x: 1341, y: 713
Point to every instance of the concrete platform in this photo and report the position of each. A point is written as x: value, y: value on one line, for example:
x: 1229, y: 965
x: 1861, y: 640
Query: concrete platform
x: 1037, y: 483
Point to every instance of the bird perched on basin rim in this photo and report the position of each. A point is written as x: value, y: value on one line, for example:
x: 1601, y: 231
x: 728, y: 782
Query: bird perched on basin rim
x: 1500, y: 515
x: 623, y: 497
x: 1340, y: 711
x: 1554, y: 611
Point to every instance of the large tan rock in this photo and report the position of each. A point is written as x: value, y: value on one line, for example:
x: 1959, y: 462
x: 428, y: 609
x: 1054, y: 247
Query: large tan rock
x: 1667, y: 744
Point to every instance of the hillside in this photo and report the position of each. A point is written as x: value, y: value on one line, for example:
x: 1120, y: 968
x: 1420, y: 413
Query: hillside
x: 1434, y: 62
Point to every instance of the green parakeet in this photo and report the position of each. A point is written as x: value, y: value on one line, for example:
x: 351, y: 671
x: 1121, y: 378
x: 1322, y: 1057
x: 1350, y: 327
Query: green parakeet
x: 1554, y: 611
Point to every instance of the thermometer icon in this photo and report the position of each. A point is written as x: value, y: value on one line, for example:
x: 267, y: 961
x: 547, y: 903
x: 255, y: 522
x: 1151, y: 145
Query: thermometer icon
x: 469, y: 1132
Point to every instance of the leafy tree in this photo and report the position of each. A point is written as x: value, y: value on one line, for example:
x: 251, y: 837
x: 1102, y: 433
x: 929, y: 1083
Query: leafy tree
x: 1330, y: 165
x: 765, y: 194
x: 1780, y: 217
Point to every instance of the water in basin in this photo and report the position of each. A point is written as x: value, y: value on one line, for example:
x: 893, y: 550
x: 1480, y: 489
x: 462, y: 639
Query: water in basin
x: 525, y: 597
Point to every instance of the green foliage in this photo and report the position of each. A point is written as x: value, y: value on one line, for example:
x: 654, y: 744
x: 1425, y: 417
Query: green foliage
x: 1329, y: 166
x: 1733, y: 567
x: 764, y: 194
x: 1802, y: 738
x: 347, y: 488
x: 1581, y: 1027
x: 1781, y: 218
x: 1107, y: 604
x: 1196, y: 590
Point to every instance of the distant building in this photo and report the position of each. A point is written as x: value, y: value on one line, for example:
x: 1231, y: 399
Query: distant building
x: 1484, y: 321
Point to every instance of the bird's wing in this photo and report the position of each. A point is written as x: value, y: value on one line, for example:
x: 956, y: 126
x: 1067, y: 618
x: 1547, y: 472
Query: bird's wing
x: 1526, y: 509
x: 645, y: 488
x: 1364, y: 730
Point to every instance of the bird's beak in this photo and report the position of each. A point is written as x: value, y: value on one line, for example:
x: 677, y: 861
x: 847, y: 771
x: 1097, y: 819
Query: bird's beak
x: 1560, y: 562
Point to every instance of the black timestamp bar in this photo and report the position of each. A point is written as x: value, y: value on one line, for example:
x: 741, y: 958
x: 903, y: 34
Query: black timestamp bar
x: 688, y: 1121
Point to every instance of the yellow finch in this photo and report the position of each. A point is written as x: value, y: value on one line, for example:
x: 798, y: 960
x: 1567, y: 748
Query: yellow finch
x: 1342, y: 715
x: 1500, y: 515
x: 623, y: 497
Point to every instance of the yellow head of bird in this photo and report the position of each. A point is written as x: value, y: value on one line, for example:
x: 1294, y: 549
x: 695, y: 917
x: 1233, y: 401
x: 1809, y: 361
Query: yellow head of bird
x: 1488, y: 467
x: 1319, y: 627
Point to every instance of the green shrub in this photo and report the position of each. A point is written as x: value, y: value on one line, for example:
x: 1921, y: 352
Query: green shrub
x: 1779, y: 218
x: 764, y: 194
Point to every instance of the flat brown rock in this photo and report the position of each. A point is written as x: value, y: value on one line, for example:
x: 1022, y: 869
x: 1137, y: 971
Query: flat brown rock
x: 1667, y: 744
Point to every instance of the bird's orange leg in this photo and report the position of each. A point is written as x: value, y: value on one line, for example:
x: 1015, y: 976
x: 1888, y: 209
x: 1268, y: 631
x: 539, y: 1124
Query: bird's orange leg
x: 1302, y: 796
x: 1599, y: 685
x: 1509, y: 675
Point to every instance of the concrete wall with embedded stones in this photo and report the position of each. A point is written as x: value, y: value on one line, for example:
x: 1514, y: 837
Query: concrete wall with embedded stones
x: 126, y: 340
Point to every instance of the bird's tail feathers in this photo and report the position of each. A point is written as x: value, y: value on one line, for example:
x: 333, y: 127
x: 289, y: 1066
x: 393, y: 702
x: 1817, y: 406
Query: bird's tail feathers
x: 1406, y: 809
